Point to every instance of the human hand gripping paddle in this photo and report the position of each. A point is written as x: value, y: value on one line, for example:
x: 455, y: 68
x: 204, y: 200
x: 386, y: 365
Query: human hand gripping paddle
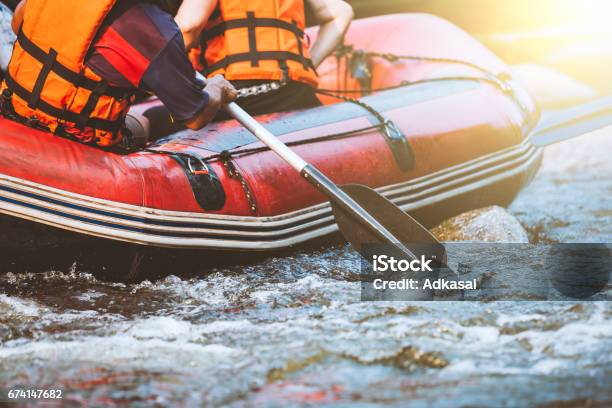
x: 363, y: 216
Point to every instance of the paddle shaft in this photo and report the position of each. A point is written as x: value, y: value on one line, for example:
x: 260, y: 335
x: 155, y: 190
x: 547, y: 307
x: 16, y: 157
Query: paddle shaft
x: 314, y: 176
x: 266, y: 136
x: 571, y: 122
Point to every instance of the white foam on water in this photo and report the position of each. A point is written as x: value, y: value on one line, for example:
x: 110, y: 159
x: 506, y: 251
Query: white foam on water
x: 481, y: 336
x: 574, y: 346
x: 291, y: 308
x: 211, y: 290
x: 312, y: 282
x: 226, y: 326
x: 550, y: 367
x: 89, y: 296
x: 264, y: 296
x: 572, y: 338
x: 128, y: 349
x: 509, y: 319
x: 22, y: 307
x: 161, y: 327
x: 71, y: 316
x: 463, y: 367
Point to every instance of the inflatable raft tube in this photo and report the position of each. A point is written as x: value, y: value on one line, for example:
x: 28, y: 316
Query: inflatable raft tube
x: 452, y: 139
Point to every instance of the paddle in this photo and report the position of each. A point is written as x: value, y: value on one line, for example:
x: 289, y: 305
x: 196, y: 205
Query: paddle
x: 575, y: 121
x: 363, y: 216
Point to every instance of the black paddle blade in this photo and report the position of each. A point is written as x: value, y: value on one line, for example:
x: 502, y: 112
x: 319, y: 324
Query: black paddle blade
x: 407, y: 231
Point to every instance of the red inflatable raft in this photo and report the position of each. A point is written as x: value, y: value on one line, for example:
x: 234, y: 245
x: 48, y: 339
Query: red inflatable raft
x: 451, y: 139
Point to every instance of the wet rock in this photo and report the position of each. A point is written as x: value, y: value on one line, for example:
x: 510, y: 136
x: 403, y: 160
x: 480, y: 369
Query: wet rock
x: 408, y: 358
x: 490, y: 224
x: 390, y: 311
x: 292, y: 366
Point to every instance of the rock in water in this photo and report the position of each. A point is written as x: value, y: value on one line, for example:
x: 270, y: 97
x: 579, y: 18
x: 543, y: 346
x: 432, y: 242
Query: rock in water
x: 490, y: 224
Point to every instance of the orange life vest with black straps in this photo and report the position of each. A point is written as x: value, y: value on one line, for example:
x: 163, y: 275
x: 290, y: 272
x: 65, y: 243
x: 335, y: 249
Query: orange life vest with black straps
x: 256, y: 40
x: 50, y: 84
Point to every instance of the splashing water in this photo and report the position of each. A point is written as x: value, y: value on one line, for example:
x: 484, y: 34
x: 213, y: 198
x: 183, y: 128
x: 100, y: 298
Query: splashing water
x: 292, y: 331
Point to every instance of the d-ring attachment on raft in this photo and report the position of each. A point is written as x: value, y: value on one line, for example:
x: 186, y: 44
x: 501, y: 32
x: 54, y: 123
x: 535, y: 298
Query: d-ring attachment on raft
x: 204, y: 167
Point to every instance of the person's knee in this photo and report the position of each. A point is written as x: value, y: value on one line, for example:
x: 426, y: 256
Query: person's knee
x: 138, y: 127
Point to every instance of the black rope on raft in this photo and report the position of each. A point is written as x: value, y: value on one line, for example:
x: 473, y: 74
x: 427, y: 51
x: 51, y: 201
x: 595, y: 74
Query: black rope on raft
x: 382, y: 121
x: 346, y: 51
x: 325, y: 138
x: 337, y: 93
x: 232, y: 170
x: 224, y: 155
x: 395, y: 58
x: 382, y: 125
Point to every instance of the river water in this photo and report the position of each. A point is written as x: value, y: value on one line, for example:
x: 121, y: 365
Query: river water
x: 291, y: 331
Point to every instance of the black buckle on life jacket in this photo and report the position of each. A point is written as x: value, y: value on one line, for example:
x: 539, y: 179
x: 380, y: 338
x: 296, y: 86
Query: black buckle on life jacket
x: 6, y: 105
x: 33, y: 121
x: 8, y: 111
x: 284, y: 71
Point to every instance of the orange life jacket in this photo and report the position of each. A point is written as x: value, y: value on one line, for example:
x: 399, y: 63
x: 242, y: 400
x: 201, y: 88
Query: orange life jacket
x: 256, y: 39
x: 49, y: 81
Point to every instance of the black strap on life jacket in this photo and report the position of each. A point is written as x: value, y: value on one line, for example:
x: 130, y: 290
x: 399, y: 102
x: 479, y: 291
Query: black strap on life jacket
x: 253, y: 55
x: 75, y: 78
x: 42, y: 78
x: 263, y: 55
x: 50, y: 64
x: 62, y: 114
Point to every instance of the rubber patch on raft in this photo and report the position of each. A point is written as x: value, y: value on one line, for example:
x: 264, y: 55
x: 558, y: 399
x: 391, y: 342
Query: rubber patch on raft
x: 207, y: 189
